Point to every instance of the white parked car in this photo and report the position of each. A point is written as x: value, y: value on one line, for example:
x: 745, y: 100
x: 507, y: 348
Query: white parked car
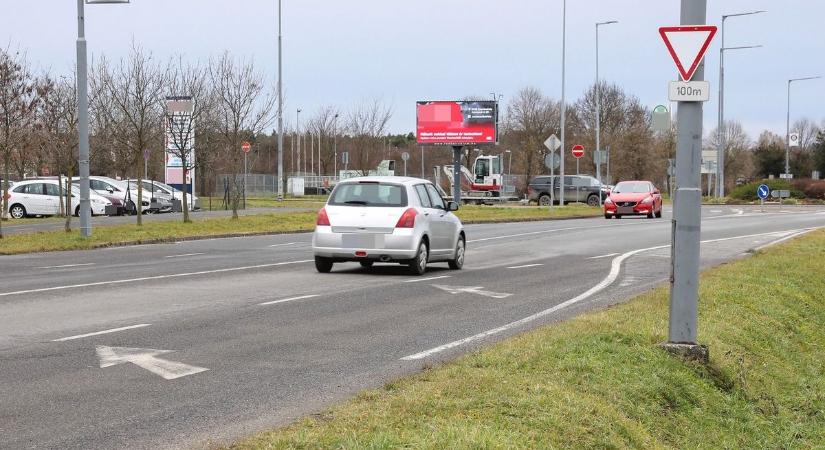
x: 110, y: 186
x: 166, y: 190
x: 388, y: 219
x: 42, y: 198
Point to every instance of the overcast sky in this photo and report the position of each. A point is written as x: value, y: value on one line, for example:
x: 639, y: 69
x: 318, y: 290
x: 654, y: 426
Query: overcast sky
x: 343, y: 52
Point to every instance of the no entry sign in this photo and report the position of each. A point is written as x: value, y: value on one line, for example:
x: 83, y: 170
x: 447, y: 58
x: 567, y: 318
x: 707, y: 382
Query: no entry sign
x: 578, y: 151
x: 246, y: 146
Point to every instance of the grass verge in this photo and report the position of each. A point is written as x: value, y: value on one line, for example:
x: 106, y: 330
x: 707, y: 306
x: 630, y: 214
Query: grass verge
x: 161, y: 231
x: 600, y: 381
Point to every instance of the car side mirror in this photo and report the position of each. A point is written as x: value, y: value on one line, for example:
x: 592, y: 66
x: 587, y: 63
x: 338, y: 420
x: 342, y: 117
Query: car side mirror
x: 656, y: 191
x: 110, y: 190
x: 452, y: 206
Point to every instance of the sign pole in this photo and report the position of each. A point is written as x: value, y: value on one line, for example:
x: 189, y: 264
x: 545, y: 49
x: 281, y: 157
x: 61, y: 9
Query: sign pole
x: 457, y: 150
x: 684, y: 288
x: 244, y: 180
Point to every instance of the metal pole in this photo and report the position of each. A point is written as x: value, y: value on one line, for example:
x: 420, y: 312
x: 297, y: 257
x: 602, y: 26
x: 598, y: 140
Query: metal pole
x: 335, y: 144
x: 720, y: 149
x: 563, y: 105
x: 788, y: 132
x: 280, y: 114
x: 598, y: 116
x: 422, y: 161
x: 298, y: 135
x: 457, y: 173
x: 244, y: 180
x: 684, y: 289
x: 83, y: 124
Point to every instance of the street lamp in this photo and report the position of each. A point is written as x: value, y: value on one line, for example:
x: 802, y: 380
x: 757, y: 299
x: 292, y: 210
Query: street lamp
x: 599, y: 103
x: 280, y: 114
x: 563, y: 104
x: 720, y: 150
x: 788, y: 122
x: 83, y: 116
x: 335, y: 143
x: 298, y: 135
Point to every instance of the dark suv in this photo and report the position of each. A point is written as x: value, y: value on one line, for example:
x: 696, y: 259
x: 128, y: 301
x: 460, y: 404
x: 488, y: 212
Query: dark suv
x: 577, y: 188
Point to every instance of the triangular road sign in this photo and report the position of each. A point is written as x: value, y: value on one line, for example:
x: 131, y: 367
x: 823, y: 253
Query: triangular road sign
x: 687, y: 45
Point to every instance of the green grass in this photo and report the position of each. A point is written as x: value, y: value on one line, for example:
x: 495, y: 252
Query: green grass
x: 107, y: 235
x: 268, y: 201
x: 600, y: 381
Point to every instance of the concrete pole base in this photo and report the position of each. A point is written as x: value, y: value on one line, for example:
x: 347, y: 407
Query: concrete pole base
x: 689, y: 352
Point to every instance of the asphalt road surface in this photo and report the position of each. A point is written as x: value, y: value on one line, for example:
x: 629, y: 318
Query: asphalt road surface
x: 202, y: 342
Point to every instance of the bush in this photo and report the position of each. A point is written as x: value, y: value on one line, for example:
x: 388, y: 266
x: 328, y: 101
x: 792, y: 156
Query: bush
x: 813, y: 189
x: 748, y: 191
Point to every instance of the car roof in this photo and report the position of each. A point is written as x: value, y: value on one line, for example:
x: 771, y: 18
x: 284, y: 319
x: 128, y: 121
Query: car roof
x: 387, y: 179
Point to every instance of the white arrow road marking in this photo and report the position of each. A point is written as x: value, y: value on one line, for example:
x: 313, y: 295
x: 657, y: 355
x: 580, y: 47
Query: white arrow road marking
x: 147, y: 359
x: 471, y: 290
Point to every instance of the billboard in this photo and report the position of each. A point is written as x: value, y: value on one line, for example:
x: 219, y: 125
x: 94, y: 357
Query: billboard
x: 180, y: 138
x: 457, y: 122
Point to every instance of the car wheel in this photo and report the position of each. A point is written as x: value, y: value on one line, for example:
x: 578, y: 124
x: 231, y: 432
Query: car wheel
x: 618, y: 216
x: 608, y: 216
x: 366, y: 264
x: 323, y: 265
x: 659, y: 214
x: 544, y: 200
x: 651, y: 215
x: 419, y: 264
x: 458, y: 262
x: 593, y: 200
x: 77, y: 211
x: 17, y: 211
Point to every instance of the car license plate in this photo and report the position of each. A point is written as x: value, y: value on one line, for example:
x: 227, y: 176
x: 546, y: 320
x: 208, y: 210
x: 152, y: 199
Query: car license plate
x: 625, y: 210
x: 361, y: 240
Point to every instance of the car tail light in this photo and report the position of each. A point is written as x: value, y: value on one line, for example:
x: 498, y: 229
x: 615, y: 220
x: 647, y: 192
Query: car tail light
x: 407, y: 219
x: 361, y: 254
x: 323, y: 219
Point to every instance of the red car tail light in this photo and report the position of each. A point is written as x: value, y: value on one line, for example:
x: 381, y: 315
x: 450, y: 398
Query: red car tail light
x: 323, y: 219
x: 407, y: 219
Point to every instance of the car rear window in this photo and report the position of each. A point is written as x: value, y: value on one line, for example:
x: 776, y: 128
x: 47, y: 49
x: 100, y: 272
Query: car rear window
x: 369, y: 193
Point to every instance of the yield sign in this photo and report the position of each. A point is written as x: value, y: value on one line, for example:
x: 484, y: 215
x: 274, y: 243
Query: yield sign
x: 687, y: 45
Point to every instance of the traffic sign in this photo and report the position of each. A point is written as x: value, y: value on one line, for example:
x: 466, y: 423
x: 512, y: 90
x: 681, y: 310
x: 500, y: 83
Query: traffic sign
x: 793, y: 140
x: 578, y: 151
x: 345, y: 157
x: 763, y: 191
x: 552, y: 143
x: 246, y: 146
x: 687, y: 46
x: 786, y: 176
x: 661, y: 118
x: 552, y: 161
x: 688, y: 91
x: 405, y: 156
x: 784, y: 193
x: 146, y: 154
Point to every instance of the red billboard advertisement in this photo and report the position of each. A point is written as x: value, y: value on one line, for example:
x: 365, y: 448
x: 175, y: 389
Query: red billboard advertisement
x: 457, y: 123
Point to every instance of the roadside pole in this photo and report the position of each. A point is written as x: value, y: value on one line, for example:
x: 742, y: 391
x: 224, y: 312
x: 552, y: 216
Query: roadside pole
x: 457, y: 150
x: 684, y: 288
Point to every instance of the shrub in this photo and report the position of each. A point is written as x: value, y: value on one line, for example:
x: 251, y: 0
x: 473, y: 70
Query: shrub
x: 748, y: 191
x: 813, y: 189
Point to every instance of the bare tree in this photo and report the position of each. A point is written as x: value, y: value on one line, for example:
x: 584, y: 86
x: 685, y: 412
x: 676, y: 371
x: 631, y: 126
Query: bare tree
x: 18, y: 101
x: 322, y: 127
x: 366, y: 124
x: 737, y: 151
x: 243, y: 109
x: 531, y: 118
x: 136, y: 88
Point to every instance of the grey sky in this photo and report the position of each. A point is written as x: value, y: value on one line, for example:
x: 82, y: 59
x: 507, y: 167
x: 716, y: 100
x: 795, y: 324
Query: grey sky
x: 343, y: 52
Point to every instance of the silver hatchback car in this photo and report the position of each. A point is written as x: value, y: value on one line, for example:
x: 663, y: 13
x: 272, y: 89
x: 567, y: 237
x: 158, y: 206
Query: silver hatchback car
x: 388, y: 219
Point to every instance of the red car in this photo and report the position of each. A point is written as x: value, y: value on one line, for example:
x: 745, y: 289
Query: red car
x: 633, y: 198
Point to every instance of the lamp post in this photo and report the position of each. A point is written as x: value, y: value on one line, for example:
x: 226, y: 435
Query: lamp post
x: 599, y: 105
x: 720, y: 150
x: 563, y: 106
x: 298, y: 135
x: 83, y: 115
x: 335, y: 143
x: 280, y: 114
x: 788, y: 122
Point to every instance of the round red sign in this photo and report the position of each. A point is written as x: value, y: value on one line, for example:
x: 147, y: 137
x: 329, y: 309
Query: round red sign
x: 246, y: 146
x: 578, y: 151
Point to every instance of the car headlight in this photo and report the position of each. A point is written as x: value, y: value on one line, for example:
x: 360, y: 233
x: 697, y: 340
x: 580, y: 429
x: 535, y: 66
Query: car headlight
x: 607, y: 201
x: 647, y: 201
x: 98, y: 201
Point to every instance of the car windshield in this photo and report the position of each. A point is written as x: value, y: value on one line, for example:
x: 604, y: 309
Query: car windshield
x: 626, y: 187
x: 369, y: 193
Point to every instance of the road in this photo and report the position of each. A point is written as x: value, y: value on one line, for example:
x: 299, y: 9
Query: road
x: 258, y: 338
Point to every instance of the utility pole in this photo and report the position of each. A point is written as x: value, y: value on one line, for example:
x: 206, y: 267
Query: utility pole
x: 335, y: 145
x: 83, y: 124
x: 280, y: 114
x: 684, y: 287
x: 563, y: 105
x: 599, y: 109
x: 788, y: 123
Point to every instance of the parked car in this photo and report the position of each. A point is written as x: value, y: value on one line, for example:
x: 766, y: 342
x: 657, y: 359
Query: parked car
x: 633, y: 198
x: 388, y: 219
x: 166, y: 190
x: 118, y: 188
x: 42, y: 198
x: 577, y: 188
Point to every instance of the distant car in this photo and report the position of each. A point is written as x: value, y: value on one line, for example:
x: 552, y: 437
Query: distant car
x: 577, y: 188
x: 105, y: 185
x: 633, y: 198
x: 166, y: 190
x: 388, y: 219
x: 42, y: 198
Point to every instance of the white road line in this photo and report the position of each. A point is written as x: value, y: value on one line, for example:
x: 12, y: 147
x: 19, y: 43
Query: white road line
x: 113, y: 330
x: 156, y: 277
x: 532, y: 233
x: 416, y: 280
x: 791, y: 236
x: 525, y: 266
x: 282, y: 245
x: 185, y: 254
x: 288, y: 299
x: 67, y: 265
x: 603, y: 256
x: 615, y: 268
